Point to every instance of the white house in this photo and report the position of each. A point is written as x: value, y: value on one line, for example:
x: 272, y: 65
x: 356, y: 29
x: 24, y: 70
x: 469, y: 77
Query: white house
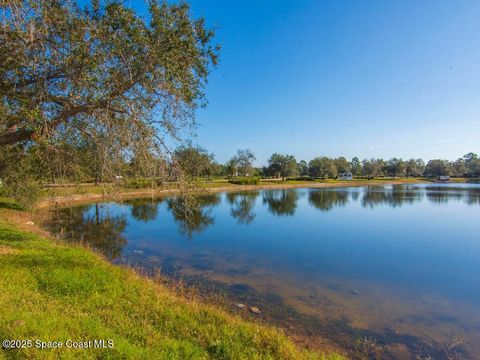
x: 444, y: 178
x: 347, y: 175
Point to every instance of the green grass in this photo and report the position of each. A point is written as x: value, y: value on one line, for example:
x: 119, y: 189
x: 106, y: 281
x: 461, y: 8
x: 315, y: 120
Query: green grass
x: 215, y: 184
x: 9, y: 204
x: 54, y: 292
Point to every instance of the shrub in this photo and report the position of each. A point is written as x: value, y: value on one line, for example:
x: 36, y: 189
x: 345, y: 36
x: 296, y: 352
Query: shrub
x: 25, y: 192
x: 245, y: 180
x: 140, y: 183
x: 301, y: 178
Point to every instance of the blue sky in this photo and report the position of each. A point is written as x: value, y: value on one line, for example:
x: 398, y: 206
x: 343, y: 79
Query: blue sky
x: 343, y: 78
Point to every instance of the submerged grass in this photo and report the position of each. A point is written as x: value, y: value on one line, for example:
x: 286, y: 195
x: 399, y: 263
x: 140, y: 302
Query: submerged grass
x: 53, y: 292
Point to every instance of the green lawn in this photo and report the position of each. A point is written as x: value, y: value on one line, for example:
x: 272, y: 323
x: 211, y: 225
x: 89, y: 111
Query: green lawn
x: 54, y: 292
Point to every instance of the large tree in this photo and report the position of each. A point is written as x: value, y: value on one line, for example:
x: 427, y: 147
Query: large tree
x: 99, y: 74
x: 195, y: 161
x: 371, y: 168
x: 414, y: 167
x: 356, y: 166
x: 342, y: 164
x: 323, y: 167
x: 472, y: 164
x: 243, y: 161
x: 438, y: 167
x: 459, y: 167
x: 282, y: 165
x: 302, y: 167
x: 395, y: 167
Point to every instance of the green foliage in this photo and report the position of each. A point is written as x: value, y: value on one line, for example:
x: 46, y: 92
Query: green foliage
x: 18, y: 180
x: 342, y: 164
x: 302, y: 168
x: 195, y: 161
x: 282, y: 165
x: 25, y: 192
x: 394, y: 167
x: 356, y: 166
x: 472, y: 164
x: 245, y: 180
x: 82, y: 87
x: 141, y: 183
x: 438, y: 167
x: 323, y: 167
x: 372, y: 168
x: 6, y: 203
x: 414, y: 167
x: 241, y: 163
x: 301, y: 178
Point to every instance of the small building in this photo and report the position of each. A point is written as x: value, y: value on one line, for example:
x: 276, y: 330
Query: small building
x: 347, y: 175
x: 444, y: 178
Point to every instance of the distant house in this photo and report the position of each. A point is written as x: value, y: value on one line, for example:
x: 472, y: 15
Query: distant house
x: 347, y: 175
x: 444, y: 178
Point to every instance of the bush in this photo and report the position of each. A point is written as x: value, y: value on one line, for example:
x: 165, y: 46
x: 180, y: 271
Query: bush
x: 140, y: 183
x: 301, y: 178
x: 245, y: 180
x: 24, y: 192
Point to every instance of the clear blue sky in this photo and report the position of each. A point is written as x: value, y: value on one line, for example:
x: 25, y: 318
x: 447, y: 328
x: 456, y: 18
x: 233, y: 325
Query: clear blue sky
x: 343, y: 78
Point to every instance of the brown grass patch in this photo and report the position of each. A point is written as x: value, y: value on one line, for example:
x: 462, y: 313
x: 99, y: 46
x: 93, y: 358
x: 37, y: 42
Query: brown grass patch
x: 5, y: 250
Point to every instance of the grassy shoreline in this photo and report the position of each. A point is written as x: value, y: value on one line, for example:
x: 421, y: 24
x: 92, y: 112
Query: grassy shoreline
x: 54, y: 292
x: 85, y: 193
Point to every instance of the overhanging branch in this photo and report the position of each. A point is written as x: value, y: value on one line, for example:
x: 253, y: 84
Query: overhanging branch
x: 10, y: 138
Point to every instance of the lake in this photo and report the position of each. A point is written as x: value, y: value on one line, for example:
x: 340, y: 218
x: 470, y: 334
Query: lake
x: 388, y: 271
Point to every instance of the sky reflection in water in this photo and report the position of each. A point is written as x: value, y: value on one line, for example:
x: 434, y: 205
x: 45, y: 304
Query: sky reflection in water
x: 403, y: 256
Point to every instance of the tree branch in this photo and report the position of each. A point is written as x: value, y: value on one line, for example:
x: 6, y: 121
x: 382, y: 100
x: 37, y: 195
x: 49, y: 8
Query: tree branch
x: 10, y: 138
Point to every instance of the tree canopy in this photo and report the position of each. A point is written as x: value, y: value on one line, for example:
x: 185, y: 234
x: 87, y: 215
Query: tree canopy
x: 241, y: 163
x: 282, y: 165
x: 438, y: 167
x: 99, y: 77
x: 323, y: 167
x: 195, y: 161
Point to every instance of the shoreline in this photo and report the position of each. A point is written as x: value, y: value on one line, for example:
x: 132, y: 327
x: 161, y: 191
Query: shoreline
x: 73, y: 199
x: 125, y: 293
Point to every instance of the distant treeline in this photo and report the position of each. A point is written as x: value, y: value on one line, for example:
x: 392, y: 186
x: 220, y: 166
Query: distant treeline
x: 197, y: 162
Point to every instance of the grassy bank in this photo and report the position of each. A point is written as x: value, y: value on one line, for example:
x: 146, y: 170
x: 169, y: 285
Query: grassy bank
x: 54, y: 292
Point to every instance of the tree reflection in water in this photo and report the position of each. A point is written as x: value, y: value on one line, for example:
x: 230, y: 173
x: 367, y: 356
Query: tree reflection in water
x: 242, y: 205
x: 97, y: 227
x: 394, y: 196
x: 281, y: 202
x: 326, y: 199
x: 144, y: 209
x: 194, y: 215
x: 92, y: 225
x: 440, y: 194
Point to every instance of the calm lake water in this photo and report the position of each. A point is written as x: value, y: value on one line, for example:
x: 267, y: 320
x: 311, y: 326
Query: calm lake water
x: 386, y: 270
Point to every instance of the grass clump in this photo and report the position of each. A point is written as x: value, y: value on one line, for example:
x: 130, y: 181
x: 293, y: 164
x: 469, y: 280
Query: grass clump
x: 55, y: 292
